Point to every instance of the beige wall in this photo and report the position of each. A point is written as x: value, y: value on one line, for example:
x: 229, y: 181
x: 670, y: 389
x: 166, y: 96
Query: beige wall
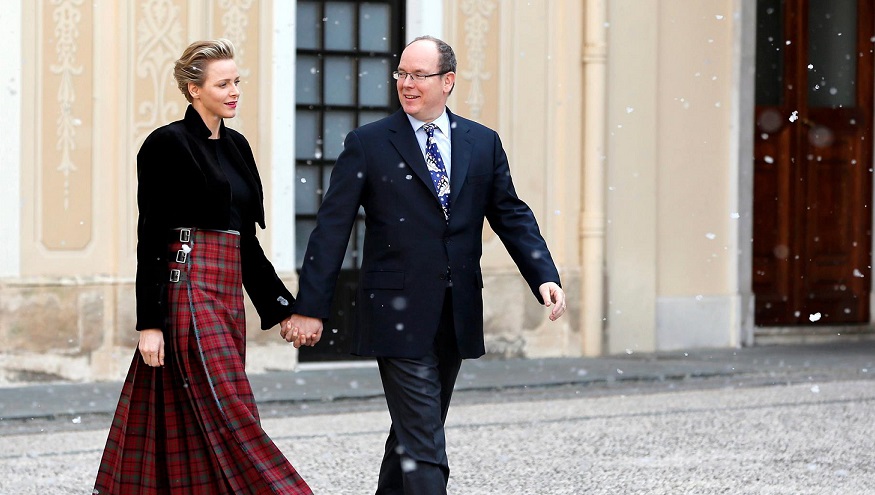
x: 672, y: 233
x: 520, y: 73
x: 695, y: 100
x: 657, y: 249
x: 96, y: 79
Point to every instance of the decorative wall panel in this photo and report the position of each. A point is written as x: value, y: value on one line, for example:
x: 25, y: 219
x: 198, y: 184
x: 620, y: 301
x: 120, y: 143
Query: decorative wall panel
x: 475, y: 53
x: 64, y: 180
x: 158, y: 41
x: 237, y: 20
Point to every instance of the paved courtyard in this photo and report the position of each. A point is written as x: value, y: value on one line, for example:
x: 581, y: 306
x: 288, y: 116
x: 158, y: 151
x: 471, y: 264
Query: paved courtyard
x: 815, y: 437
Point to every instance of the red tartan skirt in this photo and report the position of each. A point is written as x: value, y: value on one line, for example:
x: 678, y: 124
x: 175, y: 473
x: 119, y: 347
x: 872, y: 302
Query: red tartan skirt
x: 192, y: 427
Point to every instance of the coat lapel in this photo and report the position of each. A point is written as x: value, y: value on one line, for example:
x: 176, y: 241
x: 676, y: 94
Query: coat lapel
x: 404, y: 141
x: 197, y: 133
x: 461, y: 143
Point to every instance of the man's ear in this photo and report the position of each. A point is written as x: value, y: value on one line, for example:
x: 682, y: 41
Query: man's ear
x: 449, y: 81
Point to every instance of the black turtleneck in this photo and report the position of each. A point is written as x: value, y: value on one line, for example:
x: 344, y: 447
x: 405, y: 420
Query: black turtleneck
x: 241, y: 194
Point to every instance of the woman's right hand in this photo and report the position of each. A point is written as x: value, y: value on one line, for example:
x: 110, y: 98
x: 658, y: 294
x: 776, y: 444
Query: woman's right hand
x: 152, y: 346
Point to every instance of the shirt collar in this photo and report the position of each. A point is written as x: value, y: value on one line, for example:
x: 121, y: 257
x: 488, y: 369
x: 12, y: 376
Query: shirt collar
x: 442, y: 122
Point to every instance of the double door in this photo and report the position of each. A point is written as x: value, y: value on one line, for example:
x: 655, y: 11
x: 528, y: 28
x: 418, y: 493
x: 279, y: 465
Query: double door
x: 813, y: 166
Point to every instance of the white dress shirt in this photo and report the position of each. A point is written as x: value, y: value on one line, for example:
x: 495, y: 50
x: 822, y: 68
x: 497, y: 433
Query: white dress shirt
x: 441, y: 135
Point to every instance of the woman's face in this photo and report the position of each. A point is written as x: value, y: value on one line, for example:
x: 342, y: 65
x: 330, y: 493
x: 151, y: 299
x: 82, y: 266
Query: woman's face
x: 219, y: 94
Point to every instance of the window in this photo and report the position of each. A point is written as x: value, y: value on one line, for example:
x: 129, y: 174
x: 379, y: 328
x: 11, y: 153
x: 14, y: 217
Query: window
x: 346, y: 52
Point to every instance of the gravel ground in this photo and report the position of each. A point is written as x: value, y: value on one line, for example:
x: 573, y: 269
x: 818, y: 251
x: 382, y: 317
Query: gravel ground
x: 797, y: 438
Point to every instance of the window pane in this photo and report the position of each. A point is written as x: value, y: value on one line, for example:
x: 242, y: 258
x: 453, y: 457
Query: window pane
x: 303, y: 229
x: 339, y: 25
x: 374, y: 27
x: 353, y: 256
x: 339, y: 83
x: 368, y: 117
x: 832, y: 44
x: 309, y: 26
x: 307, y: 135
x: 360, y: 229
x: 337, y: 125
x: 307, y: 192
x: 326, y: 176
x: 343, y: 81
x: 374, y: 82
x: 307, y: 86
x: 348, y: 260
x: 769, y: 53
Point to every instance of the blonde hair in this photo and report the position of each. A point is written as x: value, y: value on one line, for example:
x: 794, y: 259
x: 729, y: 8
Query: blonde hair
x: 191, y: 66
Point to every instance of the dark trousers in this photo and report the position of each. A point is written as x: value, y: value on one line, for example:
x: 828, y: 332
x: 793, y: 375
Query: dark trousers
x: 418, y: 393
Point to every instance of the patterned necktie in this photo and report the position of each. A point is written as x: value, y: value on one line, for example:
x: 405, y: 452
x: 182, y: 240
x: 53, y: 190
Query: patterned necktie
x: 436, y: 168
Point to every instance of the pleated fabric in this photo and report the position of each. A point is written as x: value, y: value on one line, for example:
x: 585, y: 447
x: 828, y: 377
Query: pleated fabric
x: 192, y: 427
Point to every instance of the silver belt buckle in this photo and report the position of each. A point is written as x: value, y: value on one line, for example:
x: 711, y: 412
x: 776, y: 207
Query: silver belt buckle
x: 174, y: 275
x: 181, y: 256
x: 184, y: 235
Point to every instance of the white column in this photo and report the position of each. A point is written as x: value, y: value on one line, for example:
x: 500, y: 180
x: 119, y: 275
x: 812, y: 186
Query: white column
x: 282, y: 131
x: 10, y: 140
x: 424, y: 17
x: 592, y: 224
x: 741, y: 183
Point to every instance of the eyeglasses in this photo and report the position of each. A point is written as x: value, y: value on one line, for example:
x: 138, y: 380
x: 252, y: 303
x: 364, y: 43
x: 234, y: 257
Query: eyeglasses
x: 400, y: 75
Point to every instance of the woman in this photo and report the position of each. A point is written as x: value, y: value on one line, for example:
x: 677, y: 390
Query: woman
x: 186, y: 421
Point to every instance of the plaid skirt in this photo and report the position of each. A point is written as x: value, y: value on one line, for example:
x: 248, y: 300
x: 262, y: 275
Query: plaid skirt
x: 192, y: 427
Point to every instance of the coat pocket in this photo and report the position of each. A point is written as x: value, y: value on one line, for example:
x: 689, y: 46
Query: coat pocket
x: 383, y: 280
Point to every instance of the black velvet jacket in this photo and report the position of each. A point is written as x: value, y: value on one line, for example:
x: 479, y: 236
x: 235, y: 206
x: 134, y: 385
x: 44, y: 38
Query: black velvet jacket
x: 181, y: 184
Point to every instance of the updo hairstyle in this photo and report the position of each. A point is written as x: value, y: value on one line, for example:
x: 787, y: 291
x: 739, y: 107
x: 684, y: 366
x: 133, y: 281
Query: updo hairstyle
x: 191, y: 66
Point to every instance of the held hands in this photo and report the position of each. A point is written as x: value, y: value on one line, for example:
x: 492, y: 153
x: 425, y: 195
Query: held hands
x: 554, y: 296
x: 301, y: 330
x: 152, y: 346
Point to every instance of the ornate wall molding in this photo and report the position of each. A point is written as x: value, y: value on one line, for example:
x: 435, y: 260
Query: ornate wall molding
x: 476, y: 29
x: 66, y: 16
x: 236, y: 26
x: 63, y: 212
x: 159, y: 38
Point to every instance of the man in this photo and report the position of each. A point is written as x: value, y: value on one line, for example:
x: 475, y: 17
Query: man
x: 426, y: 190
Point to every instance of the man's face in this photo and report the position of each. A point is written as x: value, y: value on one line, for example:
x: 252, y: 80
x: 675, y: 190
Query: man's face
x: 423, y: 100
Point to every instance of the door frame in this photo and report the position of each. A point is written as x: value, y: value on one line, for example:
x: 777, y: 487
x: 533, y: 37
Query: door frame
x: 744, y: 71
x: 750, y: 334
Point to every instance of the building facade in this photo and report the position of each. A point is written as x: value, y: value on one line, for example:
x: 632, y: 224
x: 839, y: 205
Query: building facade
x: 634, y: 131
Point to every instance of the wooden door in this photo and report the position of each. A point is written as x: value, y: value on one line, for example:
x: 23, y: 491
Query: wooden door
x: 813, y: 162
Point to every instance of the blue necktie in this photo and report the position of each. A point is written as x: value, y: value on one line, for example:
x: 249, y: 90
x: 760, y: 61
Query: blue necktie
x: 436, y: 169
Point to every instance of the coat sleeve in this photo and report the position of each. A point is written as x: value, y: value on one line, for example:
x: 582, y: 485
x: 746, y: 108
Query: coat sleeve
x: 152, y: 275
x: 515, y: 224
x: 334, y: 221
x: 269, y: 295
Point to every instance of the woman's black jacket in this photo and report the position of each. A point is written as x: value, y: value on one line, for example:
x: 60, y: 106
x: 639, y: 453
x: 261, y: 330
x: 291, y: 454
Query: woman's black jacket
x: 181, y: 184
